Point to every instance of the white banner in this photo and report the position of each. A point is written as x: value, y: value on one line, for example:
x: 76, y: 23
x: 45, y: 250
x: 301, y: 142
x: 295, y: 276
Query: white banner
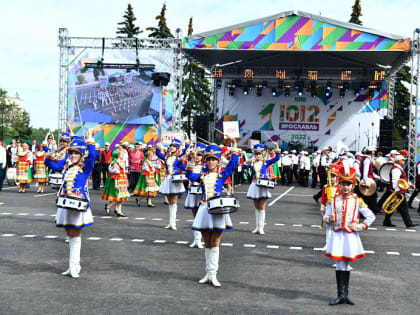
x: 231, y: 129
x: 304, y: 120
x: 168, y: 136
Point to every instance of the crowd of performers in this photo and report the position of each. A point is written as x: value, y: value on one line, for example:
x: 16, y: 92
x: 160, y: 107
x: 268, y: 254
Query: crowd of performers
x: 205, y: 173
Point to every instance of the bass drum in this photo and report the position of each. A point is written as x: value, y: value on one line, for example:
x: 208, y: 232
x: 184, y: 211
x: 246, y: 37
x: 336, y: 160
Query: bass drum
x: 384, y: 171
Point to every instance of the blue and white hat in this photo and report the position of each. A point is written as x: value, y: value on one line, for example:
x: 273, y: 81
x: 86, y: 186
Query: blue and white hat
x: 214, y: 151
x: 259, y: 148
x: 78, y: 146
x: 201, y: 148
x: 176, y: 143
x: 65, y: 136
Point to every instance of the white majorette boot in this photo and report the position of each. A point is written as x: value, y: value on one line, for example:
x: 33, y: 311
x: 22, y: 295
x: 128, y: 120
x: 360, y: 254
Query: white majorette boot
x: 74, y: 260
x: 170, y: 213
x: 257, y: 218
x: 206, y: 277
x: 172, y: 217
x: 197, y: 240
x: 214, y: 266
x: 261, y: 222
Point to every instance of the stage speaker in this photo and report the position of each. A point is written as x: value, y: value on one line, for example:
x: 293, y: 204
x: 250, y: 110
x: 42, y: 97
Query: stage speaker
x: 256, y: 135
x: 161, y: 78
x: 201, y: 127
x: 385, y: 134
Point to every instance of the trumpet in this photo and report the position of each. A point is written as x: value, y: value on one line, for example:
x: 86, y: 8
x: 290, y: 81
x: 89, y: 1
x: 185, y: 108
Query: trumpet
x: 394, y: 200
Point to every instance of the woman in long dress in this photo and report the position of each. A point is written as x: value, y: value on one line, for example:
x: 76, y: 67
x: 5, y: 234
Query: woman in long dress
x: 41, y: 173
x: 147, y: 183
x: 24, y: 160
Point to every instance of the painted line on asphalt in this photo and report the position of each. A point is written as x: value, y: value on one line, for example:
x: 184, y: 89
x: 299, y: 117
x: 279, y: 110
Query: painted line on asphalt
x: 279, y: 224
x: 159, y: 241
x: 244, y: 222
x: 388, y: 229
x: 136, y: 240
x: 272, y: 246
x: 415, y: 254
x: 29, y: 236
x: 319, y: 249
x: 94, y: 238
x: 105, y: 217
x: 44, y: 194
x: 227, y: 244
x: 393, y: 253
x: 373, y: 229
x: 6, y: 213
x: 250, y: 245
x: 7, y: 188
x: 116, y: 239
x: 123, y: 218
x: 52, y: 215
x: 410, y: 230
x: 8, y: 235
x: 181, y: 242
x: 1, y: 203
x: 281, y: 196
x: 369, y: 251
x: 51, y: 236
x: 23, y: 213
x: 297, y: 224
x: 296, y: 247
x: 39, y: 214
x: 315, y: 226
x: 157, y: 219
x: 140, y: 218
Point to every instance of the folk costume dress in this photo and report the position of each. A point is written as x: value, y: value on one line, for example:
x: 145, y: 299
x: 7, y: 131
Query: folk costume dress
x: 23, y: 167
x: 41, y: 173
x: 147, y: 183
x: 116, y: 185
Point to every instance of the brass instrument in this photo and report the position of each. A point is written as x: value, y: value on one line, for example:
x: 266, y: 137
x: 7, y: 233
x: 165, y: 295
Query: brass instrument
x: 367, y: 190
x: 394, y: 200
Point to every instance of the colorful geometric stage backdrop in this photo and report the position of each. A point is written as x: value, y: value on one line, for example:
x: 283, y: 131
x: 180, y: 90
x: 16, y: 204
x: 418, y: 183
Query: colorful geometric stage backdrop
x: 296, y: 33
x: 320, y: 121
x: 120, y: 106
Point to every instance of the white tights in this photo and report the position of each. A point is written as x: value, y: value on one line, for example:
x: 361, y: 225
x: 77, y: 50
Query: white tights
x: 342, y: 265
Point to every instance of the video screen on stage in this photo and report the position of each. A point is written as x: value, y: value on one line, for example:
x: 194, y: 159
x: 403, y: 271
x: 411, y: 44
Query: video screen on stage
x: 118, y: 96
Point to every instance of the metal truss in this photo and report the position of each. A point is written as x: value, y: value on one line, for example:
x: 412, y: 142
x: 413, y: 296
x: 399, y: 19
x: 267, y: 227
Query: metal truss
x: 414, y: 102
x: 66, y: 43
x: 391, y: 94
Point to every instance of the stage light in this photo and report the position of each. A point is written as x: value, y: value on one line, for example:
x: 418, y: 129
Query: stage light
x: 259, y: 91
x: 300, y: 91
x: 342, y: 93
x: 329, y: 86
x: 356, y: 92
x: 245, y: 91
x: 371, y: 93
x: 231, y: 91
x: 281, y: 74
x: 264, y: 84
x: 313, y: 75
x: 274, y: 91
x: 249, y: 74
x: 313, y: 89
x: 363, y: 86
x: 287, y: 91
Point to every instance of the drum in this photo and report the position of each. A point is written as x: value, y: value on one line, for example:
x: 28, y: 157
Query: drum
x: 195, y: 190
x: 384, y: 171
x: 223, y: 205
x: 265, y: 183
x: 56, y: 180
x: 179, y: 178
x: 72, y: 203
x: 11, y: 176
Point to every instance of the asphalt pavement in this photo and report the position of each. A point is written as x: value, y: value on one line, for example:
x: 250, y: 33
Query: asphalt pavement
x: 134, y: 266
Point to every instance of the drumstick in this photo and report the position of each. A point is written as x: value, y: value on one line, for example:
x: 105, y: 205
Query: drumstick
x: 201, y: 139
x: 269, y: 138
x: 219, y: 131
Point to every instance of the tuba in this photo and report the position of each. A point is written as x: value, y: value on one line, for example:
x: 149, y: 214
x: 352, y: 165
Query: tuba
x: 394, y: 200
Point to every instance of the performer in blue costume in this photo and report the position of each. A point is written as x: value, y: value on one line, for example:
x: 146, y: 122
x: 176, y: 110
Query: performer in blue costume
x: 210, y: 225
x: 192, y: 202
x: 258, y: 193
x: 172, y: 190
x: 77, y: 168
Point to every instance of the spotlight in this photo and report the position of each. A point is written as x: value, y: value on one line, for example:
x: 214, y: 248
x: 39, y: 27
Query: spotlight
x: 342, y: 93
x: 371, y: 93
x: 274, y: 91
x: 313, y: 88
x: 287, y: 91
x: 328, y: 86
x: 259, y: 91
x: 245, y: 91
x: 363, y: 86
x: 264, y: 84
x: 356, y: 92
x: 300, y: 91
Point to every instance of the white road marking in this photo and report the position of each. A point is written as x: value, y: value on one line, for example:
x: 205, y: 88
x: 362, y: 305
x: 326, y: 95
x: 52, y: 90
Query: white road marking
x: 44, y: 194
x: 1, y: 203
x: 116, y: 239
x: 281, y: 196
x: 227, y: 244
x: 52, y: 215
x: 243, y: 222
x: 137, y: 240
x: 415, y: 254
x: 159, y: 241
x: 315, y: 226
x: 6, y: 213
x: 106, y: 217
x: 15, y: 187
x: 296, y: 247
x: 39, y: 214
x: 51, y: 236
x: 318, y: 249
x: 272, y: 246
x: 410, y: 230
x: 94, y: 238
x: 29, y: 236
x: 190, y: 220
x: 279, y: 224
x: 249, y: 245
x: 23, y: 213
x: 369, y: 251
x: 123, y: 218
x: 388, y: 229
x: 297, y: 225
x: 8, y: 235
x: 373, y: 229
x: 182, y: 242
x: 393, y: 253
x: 157, y: 219
x: 140, y: 218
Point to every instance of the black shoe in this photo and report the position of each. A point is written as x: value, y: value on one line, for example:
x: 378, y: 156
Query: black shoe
x: 151, y: 206
x: 137, y: 202
x: 106, y: 208
x: 338, y: 300
x: 166, y: 203
x: 412, y: 225
x: 389, y: 224
x: 316, y: 199
x: 121, y: 215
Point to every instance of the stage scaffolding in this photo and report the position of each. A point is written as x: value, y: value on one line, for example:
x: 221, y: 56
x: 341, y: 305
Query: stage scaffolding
x: 67, y: 43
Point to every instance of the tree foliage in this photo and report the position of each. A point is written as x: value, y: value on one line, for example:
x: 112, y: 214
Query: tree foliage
x: 128, y: 27
x: 162, y: 30
x: 196, y: 91
x: 356, y: 13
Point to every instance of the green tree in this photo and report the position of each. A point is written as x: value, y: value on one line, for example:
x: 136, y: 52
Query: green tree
x: 356, y: 13
x: 162, y: 30
x: 401, y: 108
x: 15, y: 120
x: 196, y: 91
x: 128, y: 27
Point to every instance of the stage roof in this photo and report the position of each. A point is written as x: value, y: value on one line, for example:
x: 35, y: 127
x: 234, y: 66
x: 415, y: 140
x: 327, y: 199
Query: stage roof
x: 298, y: 41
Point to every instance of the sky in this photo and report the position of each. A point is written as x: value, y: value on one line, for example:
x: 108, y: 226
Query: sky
x: 29, y: 54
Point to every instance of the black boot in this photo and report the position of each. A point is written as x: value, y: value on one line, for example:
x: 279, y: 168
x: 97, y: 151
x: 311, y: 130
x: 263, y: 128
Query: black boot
x: 340, y: 299
x: 349, y: 300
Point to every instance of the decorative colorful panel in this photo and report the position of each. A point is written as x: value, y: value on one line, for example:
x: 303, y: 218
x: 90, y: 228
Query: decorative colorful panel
x: 297, y: 33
